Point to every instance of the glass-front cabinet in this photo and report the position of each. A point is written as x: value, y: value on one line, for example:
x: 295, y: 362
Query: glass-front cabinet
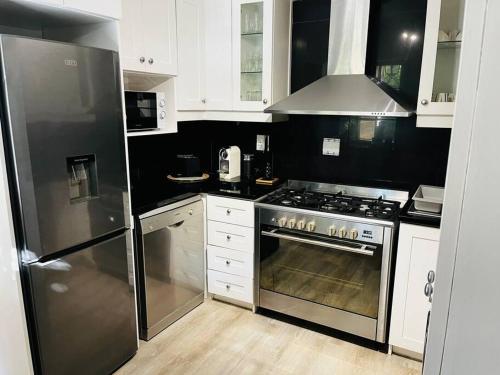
x: 440, y: 63
x: 252, y: 50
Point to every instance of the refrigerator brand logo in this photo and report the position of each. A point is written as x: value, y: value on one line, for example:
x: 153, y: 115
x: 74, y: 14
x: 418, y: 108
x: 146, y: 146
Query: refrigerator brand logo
x: 70, y: 62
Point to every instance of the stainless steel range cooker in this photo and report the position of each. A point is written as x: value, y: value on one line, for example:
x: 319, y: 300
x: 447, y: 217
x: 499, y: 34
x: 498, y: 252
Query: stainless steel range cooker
x: 324, y: 253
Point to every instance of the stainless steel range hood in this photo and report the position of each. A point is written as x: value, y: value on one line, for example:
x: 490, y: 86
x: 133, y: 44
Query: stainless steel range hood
x: 346, y: 90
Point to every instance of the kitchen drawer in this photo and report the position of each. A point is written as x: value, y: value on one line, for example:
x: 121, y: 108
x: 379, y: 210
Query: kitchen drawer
x: 232, y: 211
x: 231, y: 236
x: 230, y: 286
x: 235, y: 262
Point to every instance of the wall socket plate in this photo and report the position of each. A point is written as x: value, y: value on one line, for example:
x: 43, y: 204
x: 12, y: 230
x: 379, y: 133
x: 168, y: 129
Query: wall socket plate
x: 331, y: 146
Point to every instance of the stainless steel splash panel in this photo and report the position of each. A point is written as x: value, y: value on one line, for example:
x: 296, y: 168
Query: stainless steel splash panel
x: 63, y: 101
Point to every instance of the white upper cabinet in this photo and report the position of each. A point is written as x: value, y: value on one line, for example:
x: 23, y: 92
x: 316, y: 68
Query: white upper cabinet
x: 107, y: 8
x: 191, y: 48
x: 244, y: 64
x: 440, y: 63
x: 218, y: 55
x: 418, y: 249
x: 260, y: 63
x: 148, y: 36
x: 160, y: 36
x: 252, y: 52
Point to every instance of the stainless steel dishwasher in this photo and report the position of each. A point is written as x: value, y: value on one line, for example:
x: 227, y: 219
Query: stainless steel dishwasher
x: 170, y: 264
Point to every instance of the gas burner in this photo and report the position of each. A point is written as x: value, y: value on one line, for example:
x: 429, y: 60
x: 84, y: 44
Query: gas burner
x: 335, y: 203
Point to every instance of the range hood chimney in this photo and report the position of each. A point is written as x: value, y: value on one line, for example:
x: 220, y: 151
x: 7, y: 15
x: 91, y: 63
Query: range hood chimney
x: 346, y: 90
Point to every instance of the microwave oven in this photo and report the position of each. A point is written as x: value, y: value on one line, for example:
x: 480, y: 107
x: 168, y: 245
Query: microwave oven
x: 145, y: 110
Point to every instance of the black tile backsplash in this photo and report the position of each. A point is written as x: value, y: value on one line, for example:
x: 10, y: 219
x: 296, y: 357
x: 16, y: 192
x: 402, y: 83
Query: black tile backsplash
x: 388, y: 153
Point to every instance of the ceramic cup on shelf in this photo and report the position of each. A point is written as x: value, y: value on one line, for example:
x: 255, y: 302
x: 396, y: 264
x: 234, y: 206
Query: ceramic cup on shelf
x: 442, y: 97
x: 443, y: 36
x: 451, y: 97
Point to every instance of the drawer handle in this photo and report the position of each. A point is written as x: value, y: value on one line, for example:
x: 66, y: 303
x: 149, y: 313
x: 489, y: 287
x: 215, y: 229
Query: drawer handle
x: 228, y: 262
x: 228, y: 287
x: 228, y: 237
x: 228, y: 211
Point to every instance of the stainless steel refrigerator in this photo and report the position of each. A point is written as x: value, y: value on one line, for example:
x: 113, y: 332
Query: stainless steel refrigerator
x: 62, y: 122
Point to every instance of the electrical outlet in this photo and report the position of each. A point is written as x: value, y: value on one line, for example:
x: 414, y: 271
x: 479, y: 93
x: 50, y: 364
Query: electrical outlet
x: 331, y: 146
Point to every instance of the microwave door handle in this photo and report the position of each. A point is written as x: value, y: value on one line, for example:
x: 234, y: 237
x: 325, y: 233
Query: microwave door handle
x: 362, y: 250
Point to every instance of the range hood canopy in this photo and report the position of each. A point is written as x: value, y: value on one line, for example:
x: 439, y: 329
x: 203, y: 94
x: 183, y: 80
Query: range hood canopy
x: 346, y: 90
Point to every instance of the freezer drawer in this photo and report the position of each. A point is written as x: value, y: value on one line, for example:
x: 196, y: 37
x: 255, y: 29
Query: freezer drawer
x: 64, y: 122
x: 171, y: 266
x: 85, y: 314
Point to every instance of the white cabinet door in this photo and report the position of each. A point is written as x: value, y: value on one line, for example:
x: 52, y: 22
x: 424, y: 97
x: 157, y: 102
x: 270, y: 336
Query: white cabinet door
x: 417, y: 255
x: 131, y: 35
x: 190, y: 44
x: 107, y: 8
x: 440, y: 63
x: 252, y: 54
x: 160, y: 39
x: 218, y: 55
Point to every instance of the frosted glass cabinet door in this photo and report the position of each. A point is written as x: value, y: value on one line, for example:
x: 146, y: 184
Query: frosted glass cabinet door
x: 441, y: 59
x: 252, y: 60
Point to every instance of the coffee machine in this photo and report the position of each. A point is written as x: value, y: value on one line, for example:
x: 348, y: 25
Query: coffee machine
x: 229, y: 163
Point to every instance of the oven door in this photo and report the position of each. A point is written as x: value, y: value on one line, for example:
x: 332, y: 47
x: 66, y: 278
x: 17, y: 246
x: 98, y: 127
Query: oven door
x: 332, y: 282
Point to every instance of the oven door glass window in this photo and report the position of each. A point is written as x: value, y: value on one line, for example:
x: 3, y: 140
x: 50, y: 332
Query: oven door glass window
x: 335, y: 273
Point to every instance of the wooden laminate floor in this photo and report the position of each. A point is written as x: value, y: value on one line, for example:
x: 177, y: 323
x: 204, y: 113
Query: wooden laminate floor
x: 217, y: 338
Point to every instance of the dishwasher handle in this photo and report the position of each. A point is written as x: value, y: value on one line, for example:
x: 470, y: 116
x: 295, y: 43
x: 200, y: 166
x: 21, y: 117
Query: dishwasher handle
x: 176, y: 225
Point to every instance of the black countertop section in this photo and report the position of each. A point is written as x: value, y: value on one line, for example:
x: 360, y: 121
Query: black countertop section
x: 405, y: 217
x: 171, y: 192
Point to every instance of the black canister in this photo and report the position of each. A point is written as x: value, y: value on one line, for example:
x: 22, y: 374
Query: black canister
x: 248, y: 167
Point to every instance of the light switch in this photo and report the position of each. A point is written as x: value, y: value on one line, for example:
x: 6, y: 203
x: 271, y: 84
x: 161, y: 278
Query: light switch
x: 331, y: 146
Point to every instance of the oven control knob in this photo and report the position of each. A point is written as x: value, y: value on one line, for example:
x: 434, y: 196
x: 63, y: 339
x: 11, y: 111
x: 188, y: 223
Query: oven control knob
x: 353, y: 234
x: 343, y: 232
x: 282, y: 222
x: 311, y: 226
x: 291, y: 223
x: 301, y: 224
x: 332, y: 230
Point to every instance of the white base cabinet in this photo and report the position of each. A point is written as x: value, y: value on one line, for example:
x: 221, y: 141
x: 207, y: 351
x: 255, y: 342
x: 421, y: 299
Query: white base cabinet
x: 418, y: 248
x: 230, y: 249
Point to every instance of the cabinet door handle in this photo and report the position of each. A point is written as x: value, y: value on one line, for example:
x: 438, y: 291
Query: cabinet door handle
x: 228, y: 211
x: 264, y: 101
x: 228, y: 287
x: 431, y: 276
x: 142, y: 59
x: 151, y: 61
x: 203, y: 100
x: 424, y: 102
x: 228, y: 262
x: 228, y: 237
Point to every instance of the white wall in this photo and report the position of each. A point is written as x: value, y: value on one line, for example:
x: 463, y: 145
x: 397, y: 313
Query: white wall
x: 15, y: 355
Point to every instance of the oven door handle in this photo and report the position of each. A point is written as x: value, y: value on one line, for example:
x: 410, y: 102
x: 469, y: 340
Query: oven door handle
x: 362, y: 250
